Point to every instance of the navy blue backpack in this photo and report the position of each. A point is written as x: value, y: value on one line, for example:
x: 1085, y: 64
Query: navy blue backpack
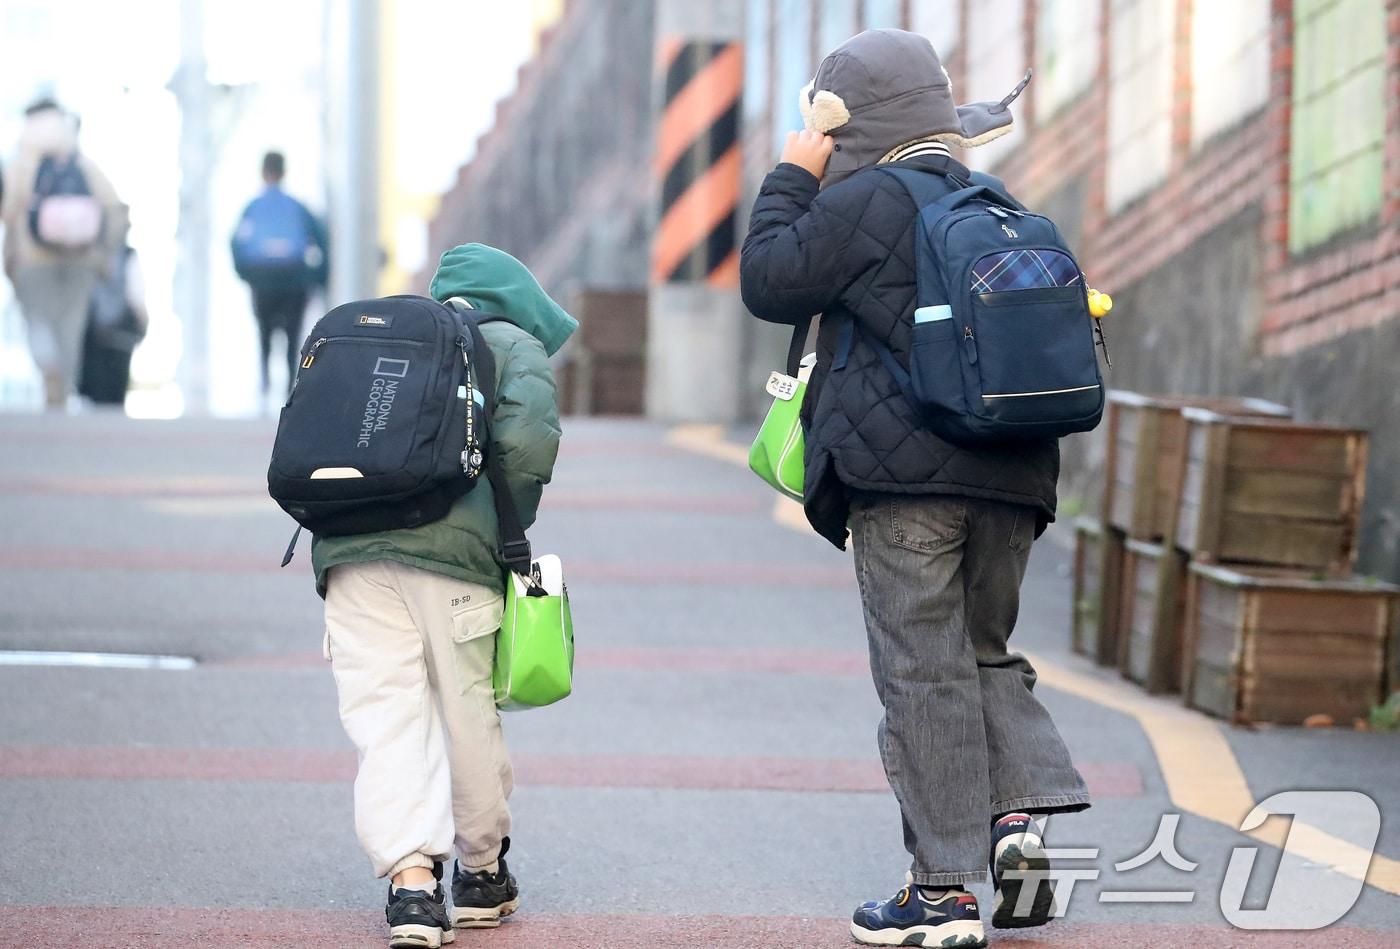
x: 1003, y: 342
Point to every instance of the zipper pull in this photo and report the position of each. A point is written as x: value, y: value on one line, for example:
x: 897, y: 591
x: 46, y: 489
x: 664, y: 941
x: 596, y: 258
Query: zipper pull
x: 997, y: 212
x: 311, y: 353
x: 1103, y: 342
x: 971, y: 344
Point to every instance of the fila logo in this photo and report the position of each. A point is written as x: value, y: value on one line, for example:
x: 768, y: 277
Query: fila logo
x: 1009, y: 232
x: 368, y: 320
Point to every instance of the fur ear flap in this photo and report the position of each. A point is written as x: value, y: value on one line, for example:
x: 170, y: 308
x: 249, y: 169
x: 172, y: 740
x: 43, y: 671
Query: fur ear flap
x: 828, y: 112
x: 804, y: 104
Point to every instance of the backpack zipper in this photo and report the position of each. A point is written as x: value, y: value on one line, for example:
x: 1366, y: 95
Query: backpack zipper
x: 315, y: 347
x: 971, y: 343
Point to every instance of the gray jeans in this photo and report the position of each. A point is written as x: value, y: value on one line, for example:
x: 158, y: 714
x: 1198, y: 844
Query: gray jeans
x: 963, y: 738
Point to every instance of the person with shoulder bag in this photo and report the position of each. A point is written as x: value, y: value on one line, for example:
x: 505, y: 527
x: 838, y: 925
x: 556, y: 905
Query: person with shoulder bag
x: 955, y: 345
x: 412, y: 612
x: 61, y: 233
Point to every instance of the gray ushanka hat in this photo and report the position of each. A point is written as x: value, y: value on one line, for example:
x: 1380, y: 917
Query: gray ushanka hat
x: 883, y: 89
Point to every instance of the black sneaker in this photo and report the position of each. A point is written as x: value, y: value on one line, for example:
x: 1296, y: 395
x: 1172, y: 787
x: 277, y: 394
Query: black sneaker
x: 418, y: 919
x: 1018, y: 861
x: 480, y: 900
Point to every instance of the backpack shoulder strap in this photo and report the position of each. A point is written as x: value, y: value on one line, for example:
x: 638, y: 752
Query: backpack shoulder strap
x: 515, y: 547
x: 927, y: 189
x: 925, y: 186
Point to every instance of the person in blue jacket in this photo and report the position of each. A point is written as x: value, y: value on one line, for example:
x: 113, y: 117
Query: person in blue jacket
x: 280, y: 250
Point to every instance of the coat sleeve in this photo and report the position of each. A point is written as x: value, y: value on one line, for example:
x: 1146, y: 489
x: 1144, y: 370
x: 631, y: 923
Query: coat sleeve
x: 320, y: 236
x: 799, y: 254
x: 235, y: 247
x: 525, y: 423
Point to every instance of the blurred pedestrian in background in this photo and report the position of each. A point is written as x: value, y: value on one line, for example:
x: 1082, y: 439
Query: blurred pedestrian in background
x: 117, y: 321
x: 280, y: 251
x: 59, y: 212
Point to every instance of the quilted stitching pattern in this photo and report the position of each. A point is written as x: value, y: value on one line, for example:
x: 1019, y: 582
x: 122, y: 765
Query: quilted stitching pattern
x: 849, y: 253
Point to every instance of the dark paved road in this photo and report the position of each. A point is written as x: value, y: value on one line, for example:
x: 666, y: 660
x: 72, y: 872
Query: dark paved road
x: 713, y: 782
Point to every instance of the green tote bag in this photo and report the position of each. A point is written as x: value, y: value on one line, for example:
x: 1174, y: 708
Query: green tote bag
x: 535, y: 647
x: 776, y: 455
x: 534, y: 663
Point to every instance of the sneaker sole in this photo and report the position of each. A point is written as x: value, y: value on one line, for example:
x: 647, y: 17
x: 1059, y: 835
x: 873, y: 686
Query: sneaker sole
x: 1033, y: 860
x: 419, y: 937
x: 483, y: 917
x: 962, y: 934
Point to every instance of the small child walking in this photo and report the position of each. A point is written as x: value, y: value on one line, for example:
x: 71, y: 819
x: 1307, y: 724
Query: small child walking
x: 411, y: 617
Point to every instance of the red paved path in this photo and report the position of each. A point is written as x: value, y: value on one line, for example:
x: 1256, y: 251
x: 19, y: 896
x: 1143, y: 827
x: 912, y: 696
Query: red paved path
x: 689, y: 772
x: 151, y: 928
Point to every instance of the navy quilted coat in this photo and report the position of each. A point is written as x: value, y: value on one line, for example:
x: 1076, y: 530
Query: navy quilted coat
x: 847, y: 252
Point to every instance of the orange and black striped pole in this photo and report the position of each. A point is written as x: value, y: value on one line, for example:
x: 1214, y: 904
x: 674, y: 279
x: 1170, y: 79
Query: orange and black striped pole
x: 693, y: 325
x: 697, y: 163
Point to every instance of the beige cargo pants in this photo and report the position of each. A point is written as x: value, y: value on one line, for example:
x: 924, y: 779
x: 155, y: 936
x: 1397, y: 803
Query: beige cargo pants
x: 411, y: 652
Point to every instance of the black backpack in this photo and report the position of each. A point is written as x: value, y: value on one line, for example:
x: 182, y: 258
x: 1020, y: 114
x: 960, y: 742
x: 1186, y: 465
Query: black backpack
x: 387, y: 424
x: 1003, y: 343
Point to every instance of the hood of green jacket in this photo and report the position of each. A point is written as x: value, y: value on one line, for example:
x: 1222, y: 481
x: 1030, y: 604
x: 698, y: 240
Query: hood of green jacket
x: 494, y: 281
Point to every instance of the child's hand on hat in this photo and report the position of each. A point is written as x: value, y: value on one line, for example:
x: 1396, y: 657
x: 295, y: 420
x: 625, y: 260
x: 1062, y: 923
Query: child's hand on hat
x: 809, y: 150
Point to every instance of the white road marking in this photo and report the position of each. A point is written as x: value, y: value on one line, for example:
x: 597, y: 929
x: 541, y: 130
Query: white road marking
x: 95, y: 660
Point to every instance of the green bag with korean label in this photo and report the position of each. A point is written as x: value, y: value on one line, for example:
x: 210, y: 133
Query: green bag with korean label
x: 777, y: 452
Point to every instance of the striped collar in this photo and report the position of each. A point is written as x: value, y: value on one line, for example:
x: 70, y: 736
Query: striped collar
x: 917, y: 150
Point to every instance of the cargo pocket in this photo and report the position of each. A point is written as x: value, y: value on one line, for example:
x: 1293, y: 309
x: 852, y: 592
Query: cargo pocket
x: 935, y: 369
x: 474, y: 629
x: 478, y: 619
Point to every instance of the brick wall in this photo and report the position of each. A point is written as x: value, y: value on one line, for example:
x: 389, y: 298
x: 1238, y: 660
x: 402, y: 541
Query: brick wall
x: 561, y: 179
x: 1210, y: 297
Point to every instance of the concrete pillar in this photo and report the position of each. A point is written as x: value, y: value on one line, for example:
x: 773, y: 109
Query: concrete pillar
x: 352, y: 148
x: 191, y: 88
x: 694, y: 321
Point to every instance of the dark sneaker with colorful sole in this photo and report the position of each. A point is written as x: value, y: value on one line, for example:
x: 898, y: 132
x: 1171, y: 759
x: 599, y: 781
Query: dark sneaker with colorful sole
x: 417, y: 918
x: 918, y: 917
x: 480, y: 899
x: 1019, y: 862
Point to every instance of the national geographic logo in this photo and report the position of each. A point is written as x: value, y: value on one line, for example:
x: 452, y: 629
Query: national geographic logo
x: 382, y: 391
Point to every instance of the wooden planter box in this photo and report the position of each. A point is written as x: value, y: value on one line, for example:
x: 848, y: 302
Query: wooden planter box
x: 1270, y: 492
x: 1265, y: 646
x: 1098, y: 568
x: 1150, y: 615
x: 1146, y: 444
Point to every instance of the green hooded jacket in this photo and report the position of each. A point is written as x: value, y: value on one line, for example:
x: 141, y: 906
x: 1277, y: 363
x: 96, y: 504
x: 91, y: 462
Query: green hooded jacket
x: 525, y: 425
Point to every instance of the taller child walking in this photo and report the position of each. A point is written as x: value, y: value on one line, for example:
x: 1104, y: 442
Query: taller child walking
x: 941, y: 532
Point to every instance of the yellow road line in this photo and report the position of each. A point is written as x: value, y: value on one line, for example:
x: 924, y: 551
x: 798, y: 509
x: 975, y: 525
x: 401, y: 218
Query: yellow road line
x: 789, y: 514
x: 1204, y: 777
x: 707, y: 440
x: 1202, y: 774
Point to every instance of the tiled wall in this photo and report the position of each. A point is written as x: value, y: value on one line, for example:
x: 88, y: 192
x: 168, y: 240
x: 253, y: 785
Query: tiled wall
x: 1140, y: 69
x: 1338, y: 133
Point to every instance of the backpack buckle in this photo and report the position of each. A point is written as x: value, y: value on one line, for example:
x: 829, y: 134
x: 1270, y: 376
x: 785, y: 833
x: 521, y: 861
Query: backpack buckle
x: 516, y: 551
